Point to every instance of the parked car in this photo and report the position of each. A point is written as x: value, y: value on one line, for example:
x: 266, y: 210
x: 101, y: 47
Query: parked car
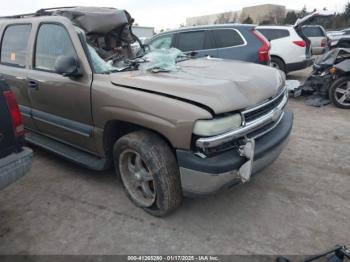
x: 318, y: 37
x: 290, y: 47
x: 193, y: 131
x: 289, y: 50
x: 228, y: 41
x: 15, y: 160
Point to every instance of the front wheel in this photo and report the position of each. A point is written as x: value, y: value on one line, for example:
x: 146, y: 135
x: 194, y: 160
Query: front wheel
x: 339, y: 93
x: 149, y: 171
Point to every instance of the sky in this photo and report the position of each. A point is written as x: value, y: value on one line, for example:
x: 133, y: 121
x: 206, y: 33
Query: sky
x: 163, y: 14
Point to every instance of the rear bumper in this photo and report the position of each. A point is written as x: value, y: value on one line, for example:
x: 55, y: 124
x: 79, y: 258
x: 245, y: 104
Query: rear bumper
x: 202, y: 176
x: 300, y: 65
x: 15, y: 166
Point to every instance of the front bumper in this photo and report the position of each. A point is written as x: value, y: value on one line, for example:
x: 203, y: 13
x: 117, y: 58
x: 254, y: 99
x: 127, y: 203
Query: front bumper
x: 300, y: 65
x: 202, y: 176
x: 15, y: 166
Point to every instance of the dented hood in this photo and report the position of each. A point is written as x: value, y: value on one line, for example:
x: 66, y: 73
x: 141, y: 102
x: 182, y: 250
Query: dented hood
x: 222, y: 85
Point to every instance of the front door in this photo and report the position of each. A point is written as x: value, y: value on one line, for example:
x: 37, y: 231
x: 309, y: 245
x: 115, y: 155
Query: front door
x: 61, y: 106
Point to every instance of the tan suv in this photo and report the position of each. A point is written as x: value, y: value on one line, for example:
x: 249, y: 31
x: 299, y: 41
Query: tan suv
x: 206, y: 126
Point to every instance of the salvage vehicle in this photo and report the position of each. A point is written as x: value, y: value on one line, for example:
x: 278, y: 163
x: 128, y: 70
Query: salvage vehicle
x: 330, y: 78
x: 228, y: 41
x: 195, y: 129
x: 15, y: 160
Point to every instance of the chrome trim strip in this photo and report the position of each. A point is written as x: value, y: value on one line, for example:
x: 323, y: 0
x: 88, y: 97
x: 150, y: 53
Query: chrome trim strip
x: 64, y: 123
x: 274, y: 115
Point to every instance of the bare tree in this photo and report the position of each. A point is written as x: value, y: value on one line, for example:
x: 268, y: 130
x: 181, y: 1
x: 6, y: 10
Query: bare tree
x: 224, y: 18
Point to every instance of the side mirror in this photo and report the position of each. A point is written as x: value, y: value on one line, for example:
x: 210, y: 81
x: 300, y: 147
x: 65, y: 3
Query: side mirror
x: 67, y: 66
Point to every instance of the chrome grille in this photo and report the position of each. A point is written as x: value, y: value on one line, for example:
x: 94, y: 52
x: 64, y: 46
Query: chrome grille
x: 254, y: 113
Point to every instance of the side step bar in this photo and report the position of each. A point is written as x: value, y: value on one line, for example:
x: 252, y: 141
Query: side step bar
x: 75, y: 155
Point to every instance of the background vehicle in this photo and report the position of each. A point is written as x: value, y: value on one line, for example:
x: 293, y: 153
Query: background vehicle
x: 339, y: 39
x: 331, y: 78
x: 228, y: 41
x: 15, y: 160
x: 289, y: 51
x: 318, y: 37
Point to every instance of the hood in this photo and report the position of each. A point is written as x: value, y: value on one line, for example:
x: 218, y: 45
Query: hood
x: 222, y: 85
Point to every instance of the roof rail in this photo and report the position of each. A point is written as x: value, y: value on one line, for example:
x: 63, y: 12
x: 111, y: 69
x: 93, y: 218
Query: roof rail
x: 40, y: 12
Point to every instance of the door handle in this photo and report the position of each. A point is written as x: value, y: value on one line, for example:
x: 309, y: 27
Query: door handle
x: 33, y: 84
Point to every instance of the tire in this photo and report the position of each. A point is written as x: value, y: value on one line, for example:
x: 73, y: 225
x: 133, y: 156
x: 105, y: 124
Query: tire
x: 278, y: 64
x: 335, y: 96
x: 163, y: 194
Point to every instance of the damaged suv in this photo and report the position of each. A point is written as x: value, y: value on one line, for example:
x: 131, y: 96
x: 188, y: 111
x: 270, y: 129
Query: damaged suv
x: 191, y: 129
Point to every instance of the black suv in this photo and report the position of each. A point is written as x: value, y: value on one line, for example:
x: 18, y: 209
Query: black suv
x: 15, y: 160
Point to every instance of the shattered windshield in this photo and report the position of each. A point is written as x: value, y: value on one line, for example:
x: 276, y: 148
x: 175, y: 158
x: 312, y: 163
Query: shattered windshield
x: 160, y: 60
x: 100, y: 66
x: 113, y: 47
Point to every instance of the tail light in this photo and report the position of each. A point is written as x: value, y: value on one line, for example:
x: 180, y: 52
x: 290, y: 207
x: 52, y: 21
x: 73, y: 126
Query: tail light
x: 15, y: 114
x: 324, y: 42
x: 299, y: 43
x: 263, y: 52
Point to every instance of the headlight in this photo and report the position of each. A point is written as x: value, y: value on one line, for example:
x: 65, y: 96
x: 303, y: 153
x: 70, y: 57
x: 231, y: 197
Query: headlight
x: 217, y: 126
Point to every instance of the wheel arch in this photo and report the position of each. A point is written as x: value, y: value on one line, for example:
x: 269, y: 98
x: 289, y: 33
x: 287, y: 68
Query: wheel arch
x: 115, y: 129
x: 276, y: 56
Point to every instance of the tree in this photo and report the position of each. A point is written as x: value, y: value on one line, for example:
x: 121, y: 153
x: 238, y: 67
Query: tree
x: 248, y: 20
x: 224, y: 18
x: 291, y: 18
x: 303, y: 12
x: 347, y: 10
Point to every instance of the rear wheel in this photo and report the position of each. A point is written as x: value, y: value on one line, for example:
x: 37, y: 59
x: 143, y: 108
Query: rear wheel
x: 278, y: 64
x: 339, y: 93
x: 149, y: 171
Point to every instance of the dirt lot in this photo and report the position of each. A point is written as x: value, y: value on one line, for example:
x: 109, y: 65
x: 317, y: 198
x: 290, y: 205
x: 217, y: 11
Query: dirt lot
x: 299, y: 205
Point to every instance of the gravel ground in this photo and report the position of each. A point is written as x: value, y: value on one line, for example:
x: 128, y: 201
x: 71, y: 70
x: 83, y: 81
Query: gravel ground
x: 299, y: 205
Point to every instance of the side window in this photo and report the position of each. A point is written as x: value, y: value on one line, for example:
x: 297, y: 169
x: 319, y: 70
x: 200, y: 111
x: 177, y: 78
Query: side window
x: 347, y: 32
x: 162, y: 42
x: 227, y: 38
x: 273, y: 34
x: 191, y: 41
x: 15, y: 44
x: 52, y: 41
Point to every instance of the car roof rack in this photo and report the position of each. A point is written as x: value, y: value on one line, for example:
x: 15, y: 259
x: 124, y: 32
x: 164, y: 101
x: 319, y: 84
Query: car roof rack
x: 40, y: 12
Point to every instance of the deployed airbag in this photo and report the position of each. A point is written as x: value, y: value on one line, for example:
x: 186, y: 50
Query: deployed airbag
x: 96, y: 20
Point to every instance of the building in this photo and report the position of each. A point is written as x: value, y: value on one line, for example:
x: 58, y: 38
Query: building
x: 259, y: 13
x: 143, y: 32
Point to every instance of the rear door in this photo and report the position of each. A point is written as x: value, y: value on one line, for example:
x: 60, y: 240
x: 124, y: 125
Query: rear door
x: 61, y: 106
x: 231, y: 44
x: 198, y: 43
x: 13, y: 65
